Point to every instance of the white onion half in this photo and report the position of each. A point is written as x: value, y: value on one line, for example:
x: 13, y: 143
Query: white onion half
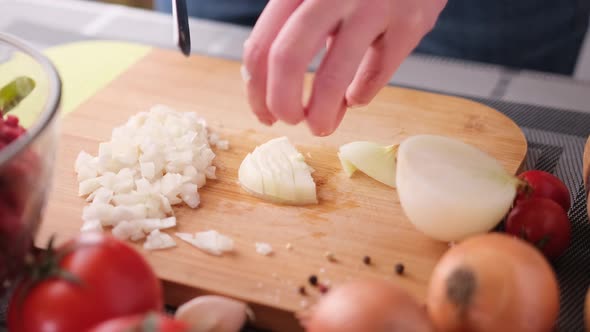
x: 450, y: 190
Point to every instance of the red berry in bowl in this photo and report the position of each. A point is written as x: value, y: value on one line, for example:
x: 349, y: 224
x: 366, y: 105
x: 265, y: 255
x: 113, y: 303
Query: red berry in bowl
x: 19, y: 196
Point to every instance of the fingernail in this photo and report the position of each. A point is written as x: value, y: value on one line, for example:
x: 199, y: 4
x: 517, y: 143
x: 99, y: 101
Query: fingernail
x: 357, y: 106
x: 267, y: 121
x: 246, y: 76
x: 322, y: 133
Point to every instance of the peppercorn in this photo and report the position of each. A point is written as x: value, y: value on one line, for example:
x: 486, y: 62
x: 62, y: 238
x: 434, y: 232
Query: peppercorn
x: 302, y: 290
x: 329, y: 256
x: 313, y: 280
x: 399, y: 268
x: 367, y: 260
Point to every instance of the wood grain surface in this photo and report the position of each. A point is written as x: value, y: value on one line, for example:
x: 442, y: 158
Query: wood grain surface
x: 355, y: 217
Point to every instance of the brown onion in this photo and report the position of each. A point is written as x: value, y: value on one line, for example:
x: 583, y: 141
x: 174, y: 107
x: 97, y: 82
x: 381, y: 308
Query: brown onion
x: 493, y: 282
x: 368, y: 306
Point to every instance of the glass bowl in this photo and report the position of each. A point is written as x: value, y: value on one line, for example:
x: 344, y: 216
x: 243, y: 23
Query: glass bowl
x: 26, y: 163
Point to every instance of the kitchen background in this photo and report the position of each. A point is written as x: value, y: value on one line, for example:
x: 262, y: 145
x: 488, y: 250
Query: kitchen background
x: 582, y: 71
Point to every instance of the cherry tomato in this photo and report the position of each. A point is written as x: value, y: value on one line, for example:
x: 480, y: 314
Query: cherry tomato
x: 541, y: 222
x: 541, y: 184
x: 90, y: 279
x: 149, y: 322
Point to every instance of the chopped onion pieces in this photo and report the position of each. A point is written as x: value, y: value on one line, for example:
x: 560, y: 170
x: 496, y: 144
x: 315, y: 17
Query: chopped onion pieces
x: 263, y: 248
x: 157, y: 159
x: 158, y: 240
x: 211, y: 241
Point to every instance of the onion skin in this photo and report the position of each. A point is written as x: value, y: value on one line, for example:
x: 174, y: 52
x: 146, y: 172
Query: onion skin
x: 493, y: 282
x: 369, y: 305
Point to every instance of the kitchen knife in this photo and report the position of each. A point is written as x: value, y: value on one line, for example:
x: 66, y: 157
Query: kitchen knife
x: 182, y: 36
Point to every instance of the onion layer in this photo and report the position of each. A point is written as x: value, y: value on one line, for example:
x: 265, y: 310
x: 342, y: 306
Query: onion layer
x: 376, y: 161
x: 277, y: 172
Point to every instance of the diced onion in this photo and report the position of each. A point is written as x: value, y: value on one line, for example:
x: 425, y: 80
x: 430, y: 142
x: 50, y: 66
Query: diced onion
x: 211, y: 241
x: 158, y: 240
x: 263, y: 248
x: 155, y: 160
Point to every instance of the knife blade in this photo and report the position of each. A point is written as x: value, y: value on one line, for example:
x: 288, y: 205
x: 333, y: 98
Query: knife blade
x: 182, y: 36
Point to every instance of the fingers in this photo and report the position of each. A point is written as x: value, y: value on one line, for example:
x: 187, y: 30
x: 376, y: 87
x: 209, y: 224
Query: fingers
x: 386, y: 55
x: 256, y: 48
x: 294, y: 48
x: 327, y: 103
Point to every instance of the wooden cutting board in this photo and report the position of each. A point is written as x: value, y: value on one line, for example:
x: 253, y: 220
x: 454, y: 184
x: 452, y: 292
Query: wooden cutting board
x: 356, y: 217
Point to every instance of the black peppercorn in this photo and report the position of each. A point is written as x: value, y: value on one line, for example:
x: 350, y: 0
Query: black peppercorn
x: 399, y: 268
x: 302, y: 290
x: 313, y: 280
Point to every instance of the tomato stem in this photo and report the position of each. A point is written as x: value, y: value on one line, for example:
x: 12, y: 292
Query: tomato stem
x: 68, y: 276
x: 46, y: 266
x: 525, y: 188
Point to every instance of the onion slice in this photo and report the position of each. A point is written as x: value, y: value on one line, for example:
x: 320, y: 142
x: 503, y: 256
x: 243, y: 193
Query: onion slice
x: 277, y: 172
x: 376, y: 161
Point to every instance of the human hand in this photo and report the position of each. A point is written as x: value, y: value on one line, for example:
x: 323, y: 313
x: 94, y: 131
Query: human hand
x: 366, y: 42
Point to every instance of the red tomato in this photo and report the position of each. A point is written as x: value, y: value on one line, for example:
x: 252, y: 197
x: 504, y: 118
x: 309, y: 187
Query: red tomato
x: 113, y: 280
x: 542, y: 222
x: 150, y: 322
x: 544, y: 185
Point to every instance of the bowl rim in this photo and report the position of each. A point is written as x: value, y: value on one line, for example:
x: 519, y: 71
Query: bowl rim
x: 51, y: 106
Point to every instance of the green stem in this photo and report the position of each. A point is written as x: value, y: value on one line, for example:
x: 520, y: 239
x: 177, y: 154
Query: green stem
x: 14, y: 92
